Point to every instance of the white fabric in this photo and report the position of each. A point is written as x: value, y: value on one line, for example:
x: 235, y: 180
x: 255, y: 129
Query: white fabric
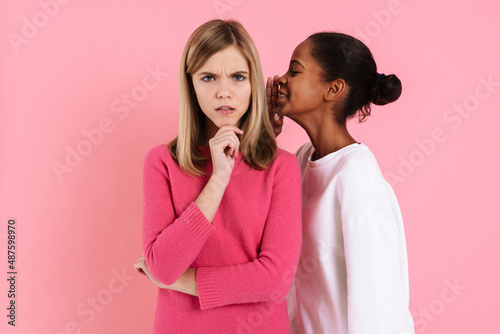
x: 353, y: 271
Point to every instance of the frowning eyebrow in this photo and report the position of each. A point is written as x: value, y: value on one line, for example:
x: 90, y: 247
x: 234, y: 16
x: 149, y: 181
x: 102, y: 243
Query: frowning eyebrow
x: 297, y: 62
x: 213, y: 74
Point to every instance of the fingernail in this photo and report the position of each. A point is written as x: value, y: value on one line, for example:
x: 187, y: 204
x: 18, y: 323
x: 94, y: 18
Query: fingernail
x: 276, y: 117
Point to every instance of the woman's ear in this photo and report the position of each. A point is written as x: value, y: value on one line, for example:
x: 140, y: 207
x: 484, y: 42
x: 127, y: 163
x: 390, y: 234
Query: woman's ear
x: 336, y: 89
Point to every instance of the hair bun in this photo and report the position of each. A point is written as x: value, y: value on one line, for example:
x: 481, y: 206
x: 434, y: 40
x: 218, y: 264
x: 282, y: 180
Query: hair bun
x: 387, y: 89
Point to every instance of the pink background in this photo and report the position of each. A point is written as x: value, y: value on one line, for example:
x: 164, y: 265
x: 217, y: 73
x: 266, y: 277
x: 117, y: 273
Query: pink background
x: 65, y: 67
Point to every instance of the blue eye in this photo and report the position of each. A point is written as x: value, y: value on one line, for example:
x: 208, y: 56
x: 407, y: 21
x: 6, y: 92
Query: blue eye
x: 239, y: 77
x: 207, y: 78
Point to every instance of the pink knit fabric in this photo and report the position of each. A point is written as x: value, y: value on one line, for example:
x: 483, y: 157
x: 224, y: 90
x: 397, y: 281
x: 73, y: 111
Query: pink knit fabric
x: 246, y: 259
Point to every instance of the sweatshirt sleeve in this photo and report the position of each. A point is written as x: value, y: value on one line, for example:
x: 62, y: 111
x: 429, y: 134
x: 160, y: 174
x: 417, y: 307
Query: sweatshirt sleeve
x: 376, y: 297
x: 170, y: 242
x: 268, y: 277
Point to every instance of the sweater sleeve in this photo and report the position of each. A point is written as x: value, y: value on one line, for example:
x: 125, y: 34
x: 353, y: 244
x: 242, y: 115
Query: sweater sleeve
x: 268, y: 277
x: 376, y: 297
x: 170, y: 242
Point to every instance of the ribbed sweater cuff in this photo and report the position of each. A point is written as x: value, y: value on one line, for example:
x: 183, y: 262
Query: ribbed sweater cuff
x: 208, y: 294
x: 196, y: 222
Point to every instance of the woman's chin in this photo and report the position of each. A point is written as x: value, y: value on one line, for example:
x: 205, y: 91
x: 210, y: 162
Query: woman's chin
x: 283, y: 112
x: 221, y: 124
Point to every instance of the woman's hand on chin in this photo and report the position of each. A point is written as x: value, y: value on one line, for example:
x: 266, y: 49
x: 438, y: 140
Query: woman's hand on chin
x: 224, y: 148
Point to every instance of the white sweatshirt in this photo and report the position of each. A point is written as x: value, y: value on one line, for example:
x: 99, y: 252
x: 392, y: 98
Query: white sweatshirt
x: 353, y: 271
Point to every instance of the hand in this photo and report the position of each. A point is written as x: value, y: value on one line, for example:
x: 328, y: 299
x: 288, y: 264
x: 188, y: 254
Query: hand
x: 185, y: 284
x: 142, y: 268
x: 224, y: 148
x: 274, y: 114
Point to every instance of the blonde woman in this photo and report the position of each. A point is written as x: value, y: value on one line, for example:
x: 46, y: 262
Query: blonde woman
x: 222, y: 204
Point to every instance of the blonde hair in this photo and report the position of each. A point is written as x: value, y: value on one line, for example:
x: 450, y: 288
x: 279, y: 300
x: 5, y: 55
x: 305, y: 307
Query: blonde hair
x: 258, y: 144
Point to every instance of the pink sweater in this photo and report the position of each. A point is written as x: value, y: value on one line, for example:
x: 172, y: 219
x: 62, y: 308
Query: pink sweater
x: 246, y: 259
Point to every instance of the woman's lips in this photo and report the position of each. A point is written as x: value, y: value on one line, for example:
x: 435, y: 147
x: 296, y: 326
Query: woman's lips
x: 225, y: 110
x: 281, y: 96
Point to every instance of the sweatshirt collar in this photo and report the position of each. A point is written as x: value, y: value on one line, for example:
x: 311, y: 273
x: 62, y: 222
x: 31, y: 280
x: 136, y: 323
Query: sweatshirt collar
x: 332, y: 156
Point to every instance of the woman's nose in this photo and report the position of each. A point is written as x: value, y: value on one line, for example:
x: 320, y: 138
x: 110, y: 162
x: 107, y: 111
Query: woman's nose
x: 282, y: 80
x: 223, y: 90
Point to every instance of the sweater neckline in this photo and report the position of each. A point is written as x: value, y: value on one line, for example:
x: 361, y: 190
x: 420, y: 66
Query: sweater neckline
x: 203, y: 149
x: 332, y: 156
x: 206, y: 151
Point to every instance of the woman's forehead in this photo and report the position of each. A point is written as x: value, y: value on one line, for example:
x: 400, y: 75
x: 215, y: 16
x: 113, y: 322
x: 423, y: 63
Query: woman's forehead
x: 229, y: 58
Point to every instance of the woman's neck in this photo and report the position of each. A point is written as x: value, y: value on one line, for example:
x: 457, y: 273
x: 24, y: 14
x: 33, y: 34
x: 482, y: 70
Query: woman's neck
x: 325, y: 133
